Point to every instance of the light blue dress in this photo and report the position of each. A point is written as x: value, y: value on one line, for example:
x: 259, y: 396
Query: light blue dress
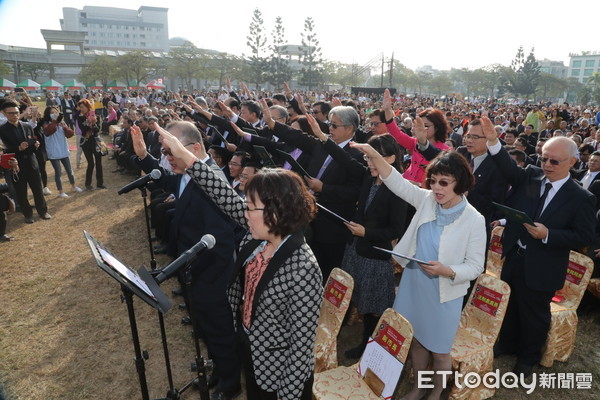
x: 418, y: 300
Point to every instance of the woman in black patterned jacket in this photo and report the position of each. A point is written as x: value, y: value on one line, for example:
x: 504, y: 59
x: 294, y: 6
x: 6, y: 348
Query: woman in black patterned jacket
x: 276, y: 288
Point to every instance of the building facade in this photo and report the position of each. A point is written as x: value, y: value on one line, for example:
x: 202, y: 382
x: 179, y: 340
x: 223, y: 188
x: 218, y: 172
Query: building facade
x: 109, y: 28
x: 583, y: 65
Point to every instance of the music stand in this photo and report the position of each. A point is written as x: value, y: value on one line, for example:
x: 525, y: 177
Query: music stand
x: 139, y: 283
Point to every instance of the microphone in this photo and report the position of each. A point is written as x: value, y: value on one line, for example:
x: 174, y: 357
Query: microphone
x: 206, y: 243
x: 139, y: 182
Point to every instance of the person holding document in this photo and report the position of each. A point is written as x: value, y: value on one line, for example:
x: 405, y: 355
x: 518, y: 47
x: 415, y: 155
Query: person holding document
x: 449, y: 234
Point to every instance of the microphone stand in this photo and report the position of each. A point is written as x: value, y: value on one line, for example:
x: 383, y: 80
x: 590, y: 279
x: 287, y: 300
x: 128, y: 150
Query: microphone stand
x: 148, y: 230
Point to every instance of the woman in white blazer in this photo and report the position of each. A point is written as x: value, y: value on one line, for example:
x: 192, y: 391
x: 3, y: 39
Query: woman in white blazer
x: 447, y: 233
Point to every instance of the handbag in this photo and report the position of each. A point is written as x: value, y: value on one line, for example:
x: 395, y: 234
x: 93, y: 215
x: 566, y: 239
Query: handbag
x: 101, y: 147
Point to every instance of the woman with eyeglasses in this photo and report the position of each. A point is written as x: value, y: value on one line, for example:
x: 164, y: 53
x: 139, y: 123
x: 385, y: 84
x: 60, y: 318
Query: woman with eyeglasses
x: 448, y: 235
x: 430, y: 123
x: 276, y: 290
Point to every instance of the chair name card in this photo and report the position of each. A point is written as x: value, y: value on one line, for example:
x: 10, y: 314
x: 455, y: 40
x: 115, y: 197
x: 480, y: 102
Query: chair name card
x: 335, y: 292
x: 383, y: 365
x: 390, y: 339
x: 575, y: 273
x: 496, y: 244
x: 487, y: 300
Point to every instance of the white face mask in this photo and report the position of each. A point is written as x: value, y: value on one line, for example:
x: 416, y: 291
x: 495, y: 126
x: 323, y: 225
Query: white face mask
x: 53, y: 116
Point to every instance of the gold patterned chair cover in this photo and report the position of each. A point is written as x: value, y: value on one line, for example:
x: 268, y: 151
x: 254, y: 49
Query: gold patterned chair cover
x: 494, y: 263
x: 473, y: 348
x: 594, y: 287
x: 345, y: 382
x: 563, y: 327
x: 336, y: 299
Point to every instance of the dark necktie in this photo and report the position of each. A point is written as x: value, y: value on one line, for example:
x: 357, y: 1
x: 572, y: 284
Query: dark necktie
x: 540, y: 206
x: 472, y: 163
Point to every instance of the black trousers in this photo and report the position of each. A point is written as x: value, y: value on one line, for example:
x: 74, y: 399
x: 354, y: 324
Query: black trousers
x: 329, y: 256
x: 527, y: 320
x: 4, y: 203
x: 93, y: 158
x: 253, y: 391
x: 31, y: 177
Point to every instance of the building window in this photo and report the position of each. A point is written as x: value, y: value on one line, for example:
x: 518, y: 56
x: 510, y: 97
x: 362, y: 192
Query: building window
x: 94, y: 42
x: 142, y: 36
x: 589, y: 63
x: 126, y: 35
x: 143, y: 44
x: 119, y: 35
x: 577, y: 64
x: 101, y: 34
x: 575, y: 72
x: 83, y: 24
x: 126, y: 27
x: 588, y: 72
x: 93, y: 33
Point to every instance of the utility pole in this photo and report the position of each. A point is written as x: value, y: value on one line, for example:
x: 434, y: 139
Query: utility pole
x: 391, y: 69
x: 382, y: 63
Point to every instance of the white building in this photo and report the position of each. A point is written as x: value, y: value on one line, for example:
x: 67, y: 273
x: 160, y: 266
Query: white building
x: 109, y: 28
x: 582, y: 66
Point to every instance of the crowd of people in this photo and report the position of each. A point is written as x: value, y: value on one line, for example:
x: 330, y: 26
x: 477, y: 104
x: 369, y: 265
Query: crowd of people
x: 294, y: 184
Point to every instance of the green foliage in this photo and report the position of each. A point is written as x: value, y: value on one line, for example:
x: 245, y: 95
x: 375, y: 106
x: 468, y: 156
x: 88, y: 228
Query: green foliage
x: 257, y: 40
x: 5, y: 70
x: 311, y: 75
x: 279, y: 70
x: 594, y: 80
x: 551, y: 85
x: 440, y: 84
x: 526, y: 73
x: 33, y: 71
x: 102, y: 68
x: 189, y: 62
x: 135, y: 65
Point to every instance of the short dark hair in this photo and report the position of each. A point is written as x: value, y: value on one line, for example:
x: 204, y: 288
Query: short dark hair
x: 439, y: 122
x: 586, y: 147
x: 9, y: 104
x: 387, y: 146
x: 325, y: 107
x: 519, y: 155
x: 451, y: 163
x: 288, y: 205
x: 280, y: 98
x: 253, y: 107
x: 379, y: 114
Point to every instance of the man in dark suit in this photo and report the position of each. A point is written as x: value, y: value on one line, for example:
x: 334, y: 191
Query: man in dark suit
x: 490, y: 185
x: 537, y: 256
x: 333, y: 186
x: 18, y: 138
x: 196, y: 215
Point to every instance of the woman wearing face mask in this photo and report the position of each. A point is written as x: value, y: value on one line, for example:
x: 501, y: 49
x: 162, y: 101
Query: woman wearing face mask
x: 448, y: 234
x: 56, y: 131
x: 86, y: 122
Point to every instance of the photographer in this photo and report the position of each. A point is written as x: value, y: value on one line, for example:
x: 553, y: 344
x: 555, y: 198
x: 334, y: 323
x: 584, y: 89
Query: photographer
x: 56, y: 131
x: 18, y: 138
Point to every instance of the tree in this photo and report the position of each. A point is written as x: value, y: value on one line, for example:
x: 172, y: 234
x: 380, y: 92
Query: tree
x: 227, y: 65
x: 187, y: 62
x: 4, y: 69
x: 551, y: 85
x: 594, y: 80
x: 256, y: 40
x: 334, y: 72
x: 33, y: 70
x: 135, y: 65
x: 441, y: 84
x: 311, y: 58
x: 526, y: 74
x: 420, y: 80
x: 279, y: 69
x: 102, y: 68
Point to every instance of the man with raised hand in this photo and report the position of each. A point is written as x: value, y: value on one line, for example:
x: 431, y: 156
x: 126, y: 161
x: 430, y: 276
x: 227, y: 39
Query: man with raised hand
x: 536, y: 256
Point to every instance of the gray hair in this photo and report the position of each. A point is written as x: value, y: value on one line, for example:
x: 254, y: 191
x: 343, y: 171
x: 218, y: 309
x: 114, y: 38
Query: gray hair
x: 201, y: 101
x: 346, y: 114
x: 283, y: 112
x: 569, y: 144
x: 185, y: 131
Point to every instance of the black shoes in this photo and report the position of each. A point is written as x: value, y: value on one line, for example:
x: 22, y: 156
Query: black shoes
x: 226, y: 395
x: 186, y: 321
x: 161, y: 249
x: 100, y: 187
x: 177, y: 292
x: 523, y: 369
x: 29, y: 220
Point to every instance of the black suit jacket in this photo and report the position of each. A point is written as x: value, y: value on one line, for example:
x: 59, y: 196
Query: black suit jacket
x: 196, y: 215
x: 569, y: 217
x: 340, y: 188
x: 26, y: 158
x: 490, y: 186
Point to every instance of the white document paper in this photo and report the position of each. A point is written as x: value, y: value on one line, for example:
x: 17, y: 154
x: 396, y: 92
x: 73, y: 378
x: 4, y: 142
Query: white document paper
x: 387, y: 367
x: 125, y: 271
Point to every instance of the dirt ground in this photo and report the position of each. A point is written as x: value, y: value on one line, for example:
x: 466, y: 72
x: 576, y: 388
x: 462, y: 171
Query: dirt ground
x: 64, y: 332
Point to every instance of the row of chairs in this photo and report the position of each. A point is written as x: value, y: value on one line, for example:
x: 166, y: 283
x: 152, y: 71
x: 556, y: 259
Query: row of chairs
x: 479, y: 327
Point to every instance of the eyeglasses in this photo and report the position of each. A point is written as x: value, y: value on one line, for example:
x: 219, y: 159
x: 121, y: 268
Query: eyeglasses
x: 335, y: 126
x: 551, y: 161
x: 443, y: 183
x: 168, y: 153
x: 374, y: 123
x: 468, y: 136
x: 253, y: 209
